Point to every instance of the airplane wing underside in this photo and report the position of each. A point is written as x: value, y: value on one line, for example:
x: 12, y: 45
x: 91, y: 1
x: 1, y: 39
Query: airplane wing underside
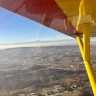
x: 61, y: 15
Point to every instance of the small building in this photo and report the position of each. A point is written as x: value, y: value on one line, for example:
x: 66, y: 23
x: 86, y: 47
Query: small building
x: 34, y: 94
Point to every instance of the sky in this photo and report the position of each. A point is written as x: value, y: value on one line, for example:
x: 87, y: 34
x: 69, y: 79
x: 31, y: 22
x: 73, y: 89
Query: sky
x: 15, y: 28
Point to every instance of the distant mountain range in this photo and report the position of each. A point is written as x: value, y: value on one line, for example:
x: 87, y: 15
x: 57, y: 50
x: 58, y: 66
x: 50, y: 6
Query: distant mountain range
x: 38, y: 41
x: 39, y: 44
x: 43, y: 43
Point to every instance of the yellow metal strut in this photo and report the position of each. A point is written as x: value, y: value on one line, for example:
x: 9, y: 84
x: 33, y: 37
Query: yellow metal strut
x: 84, y: 43
x: 84, y: 46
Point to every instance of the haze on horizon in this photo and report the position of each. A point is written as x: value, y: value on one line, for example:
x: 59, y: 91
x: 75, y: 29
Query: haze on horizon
x: 15, y: 29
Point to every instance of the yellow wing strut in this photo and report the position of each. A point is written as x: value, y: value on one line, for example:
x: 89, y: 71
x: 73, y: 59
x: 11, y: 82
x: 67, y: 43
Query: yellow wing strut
x: 84, y: 45
x: 85, y: 51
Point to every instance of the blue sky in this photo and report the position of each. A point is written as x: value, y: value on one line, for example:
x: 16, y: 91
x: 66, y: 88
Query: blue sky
x: 15, y: 29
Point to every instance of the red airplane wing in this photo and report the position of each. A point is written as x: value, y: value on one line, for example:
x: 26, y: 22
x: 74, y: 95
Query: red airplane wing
x: 45, y: 12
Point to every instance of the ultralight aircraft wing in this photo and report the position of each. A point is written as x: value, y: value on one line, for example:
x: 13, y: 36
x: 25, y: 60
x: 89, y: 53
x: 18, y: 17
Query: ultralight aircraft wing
x: 61, y: 15
x: 46, y: 12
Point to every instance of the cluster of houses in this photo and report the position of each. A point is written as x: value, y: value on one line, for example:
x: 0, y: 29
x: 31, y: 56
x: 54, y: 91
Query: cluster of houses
x: 57, y: 90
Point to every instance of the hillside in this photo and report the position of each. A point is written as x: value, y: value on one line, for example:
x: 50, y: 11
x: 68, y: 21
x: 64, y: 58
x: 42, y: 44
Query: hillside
x: 42, y: 70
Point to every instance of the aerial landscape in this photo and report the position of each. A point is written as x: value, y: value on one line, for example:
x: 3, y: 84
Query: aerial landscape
x: 44, y: 71
x: 47, y: 48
